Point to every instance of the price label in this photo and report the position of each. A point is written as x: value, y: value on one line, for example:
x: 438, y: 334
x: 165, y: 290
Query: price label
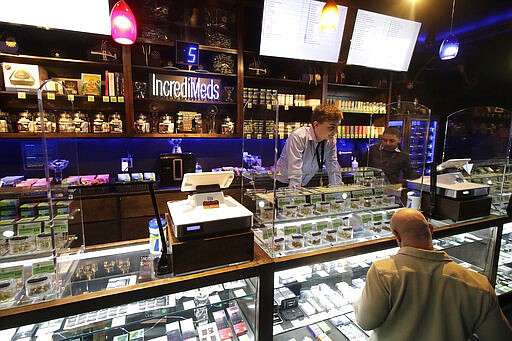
x: 258, y: 136
x: 105, y: 99
x: 43, y: 267
x: 314, y: 198
x: 269, y: 106
x: 288, y: 230
x: 281, y: 136
x: 281, y: 202
x: 271, y: 136
x: 22, y: 95
x: 120, y: 99
x: 249, y: 105
x: 71, y: 98
x: 50, y: 96
x: 287, y: 107
x: 299, y: 200
x: 321, y: 225
x: 113, y: 99
x: 90, y: 98
x: 248, y: 136
x: 306, y: 228
x: 11, y: 272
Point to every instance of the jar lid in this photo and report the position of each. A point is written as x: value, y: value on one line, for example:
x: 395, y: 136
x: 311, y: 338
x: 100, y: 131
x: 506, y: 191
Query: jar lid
x: 37, y: 279
x: 316, y: 233
x: 6, y: 283
x: 278, y: 240
x: 297, y: 236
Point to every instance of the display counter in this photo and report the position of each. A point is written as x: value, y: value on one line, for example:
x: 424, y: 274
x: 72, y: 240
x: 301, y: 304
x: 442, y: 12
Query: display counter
x: 106, y: 304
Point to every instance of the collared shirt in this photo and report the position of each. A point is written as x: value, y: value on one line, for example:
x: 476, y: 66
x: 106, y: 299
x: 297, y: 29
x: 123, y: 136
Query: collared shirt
x: 423, y: 295
x: 394, y: 163
x: 298, y: 162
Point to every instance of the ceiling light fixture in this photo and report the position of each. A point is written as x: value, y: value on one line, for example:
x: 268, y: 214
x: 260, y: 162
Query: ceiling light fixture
x: 329, y: 17
x: 123, y: 26
x: 450, y: 45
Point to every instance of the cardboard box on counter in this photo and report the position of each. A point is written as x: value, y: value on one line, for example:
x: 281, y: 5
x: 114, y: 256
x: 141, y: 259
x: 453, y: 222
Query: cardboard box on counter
x: 23, y: 77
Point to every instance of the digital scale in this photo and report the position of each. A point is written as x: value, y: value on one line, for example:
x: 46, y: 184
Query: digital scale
x: 451, y: 185
x: 208, y: 212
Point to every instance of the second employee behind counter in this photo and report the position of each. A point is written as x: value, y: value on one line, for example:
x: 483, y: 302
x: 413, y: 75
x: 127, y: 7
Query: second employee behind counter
x: 388, y: 156
x: 308, y: 149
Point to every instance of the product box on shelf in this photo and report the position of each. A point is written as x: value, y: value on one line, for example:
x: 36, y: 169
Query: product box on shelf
x: 23, y: 77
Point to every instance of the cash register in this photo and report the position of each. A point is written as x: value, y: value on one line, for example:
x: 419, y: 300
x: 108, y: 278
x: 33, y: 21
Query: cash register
x: 207, y: 211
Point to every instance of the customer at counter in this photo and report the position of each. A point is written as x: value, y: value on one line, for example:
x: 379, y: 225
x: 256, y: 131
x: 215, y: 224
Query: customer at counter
x: 421, y: 294
x: 388, y: 157
x: 308, y: 149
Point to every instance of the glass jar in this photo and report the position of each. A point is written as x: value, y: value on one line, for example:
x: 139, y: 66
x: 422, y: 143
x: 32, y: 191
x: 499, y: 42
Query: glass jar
x: 345, y: 232
x: 4, y: 122
x: 44, y: 241
x: 38, y: 285
x: 115, y: 123
x: 49, y: 122
x: 295, y: 242
x: 278, y: 244
x: 166, y: 124
x: 323, y: 207
x: 290, y: 211
x: 314, y: 238
x: 21, y: 244
x: 99, y: 125
x: 227, y: 127
x: 8, y: 289
x: 388, y: 200
x: 330, y: 235
x: 355, y: 204
x: 25, y: 122
x: 376, y: 227
x: 338, y: 206
x: 142, y: 124
x: 378, y: 200
x: 267, y: 213
x: 80, y: 122
x: 307, y: 209
x: 65, y: 123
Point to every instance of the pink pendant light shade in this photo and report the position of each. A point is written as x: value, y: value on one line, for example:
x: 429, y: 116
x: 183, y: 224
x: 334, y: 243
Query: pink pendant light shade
x: 122, y: 24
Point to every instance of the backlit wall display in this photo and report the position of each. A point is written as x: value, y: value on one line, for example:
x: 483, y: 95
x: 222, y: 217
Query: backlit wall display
x: 382, y: 42
x: 92, y: 16
x: 291, y: 29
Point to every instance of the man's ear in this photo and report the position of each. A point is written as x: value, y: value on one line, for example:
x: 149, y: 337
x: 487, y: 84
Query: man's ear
x: 397, y: 236
x: 431, y: 228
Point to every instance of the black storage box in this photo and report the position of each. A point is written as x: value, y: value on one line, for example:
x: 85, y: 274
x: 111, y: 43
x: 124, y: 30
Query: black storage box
x: 174, y: 166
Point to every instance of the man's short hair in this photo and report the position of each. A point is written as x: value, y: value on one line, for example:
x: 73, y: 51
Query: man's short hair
x: 326, y: 112
x: 392, y: 131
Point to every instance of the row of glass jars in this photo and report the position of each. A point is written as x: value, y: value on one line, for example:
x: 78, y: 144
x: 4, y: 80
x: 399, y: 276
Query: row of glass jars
x: 167, y: 124
x: 65, y: 122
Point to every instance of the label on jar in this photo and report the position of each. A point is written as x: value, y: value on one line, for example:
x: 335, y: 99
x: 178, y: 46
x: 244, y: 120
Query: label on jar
x: 357, y: 194
x: 378, y: 191
x: 11, y: 272
x: 321, y: 225
x: 306, y: 228
x: 281, y: 202
x: 268, y: 233
x: 29, y: 229
x: 43, y: 268
x: 330, y: 197
x: 299, y: 200
x: 377, y: 216
x: 368, y: 193
x: 289, y: 230
x: 336, y: 223
x: 314, y: 198
x: 366, y: 218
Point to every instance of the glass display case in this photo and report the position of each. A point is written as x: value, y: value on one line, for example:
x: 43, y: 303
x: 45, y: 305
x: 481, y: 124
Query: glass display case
x: 206, y: 307
x: 482, y: 135
x: 316, y: 298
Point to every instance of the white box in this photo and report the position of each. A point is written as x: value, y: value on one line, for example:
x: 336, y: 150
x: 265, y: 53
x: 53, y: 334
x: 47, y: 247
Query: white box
x: 24, y: 77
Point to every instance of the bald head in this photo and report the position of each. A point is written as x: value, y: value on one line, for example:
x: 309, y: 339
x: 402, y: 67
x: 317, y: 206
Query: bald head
x: 411, y: 229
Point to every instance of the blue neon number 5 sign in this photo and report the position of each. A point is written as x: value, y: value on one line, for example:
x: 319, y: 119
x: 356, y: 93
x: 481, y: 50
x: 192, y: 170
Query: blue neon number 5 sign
x: 187, y: 53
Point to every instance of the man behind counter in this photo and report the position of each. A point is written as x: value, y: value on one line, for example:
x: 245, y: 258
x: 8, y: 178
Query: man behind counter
x: 388, y: 157
x: 421, y: 294
x: 308, y: 149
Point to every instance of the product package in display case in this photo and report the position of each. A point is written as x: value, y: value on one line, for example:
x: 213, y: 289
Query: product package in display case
x: 316, y: 299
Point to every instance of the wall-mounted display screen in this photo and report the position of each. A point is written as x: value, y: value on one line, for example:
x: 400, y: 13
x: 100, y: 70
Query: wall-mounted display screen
x: 382, y: 42
x: 187, y: 53
x: 291, y: 29
x: 91, y: 16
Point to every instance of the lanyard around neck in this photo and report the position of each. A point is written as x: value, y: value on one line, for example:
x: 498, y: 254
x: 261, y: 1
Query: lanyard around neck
x: 320, y: 154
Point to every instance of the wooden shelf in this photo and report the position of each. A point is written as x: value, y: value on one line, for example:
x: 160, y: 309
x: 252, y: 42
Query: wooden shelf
x: 189, y: 135
x: 62, y: 135
x: 201, y: 47
x: 355, y: 86
x: 180, y: 71
x: 22, y: 57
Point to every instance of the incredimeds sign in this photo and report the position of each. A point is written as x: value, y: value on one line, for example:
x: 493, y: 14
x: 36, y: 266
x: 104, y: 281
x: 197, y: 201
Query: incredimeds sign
x: 184, y: 88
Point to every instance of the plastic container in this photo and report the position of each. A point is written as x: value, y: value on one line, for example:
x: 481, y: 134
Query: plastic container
x: 330, y: 235
x: 8, y: 289
x: 44, y: 241
x: 290, y: 211
x: 278, y: 244
x: 267, y: 213
x: 378, y: 200
x: 295, y: 242
x: 307, y: 209
x: 323, y: 207
x: 21, y: 244
x: 355, y: 204
x: 338, y: 206
x: 314, y: 238
x: 115, y: 123
x: 345, y: 233
x: 38, y: 285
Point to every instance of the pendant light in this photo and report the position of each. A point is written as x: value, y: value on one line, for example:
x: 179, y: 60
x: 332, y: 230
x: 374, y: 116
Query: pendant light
x: 329, y: 17
x: 450, y: 46
x: 122, y: 24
